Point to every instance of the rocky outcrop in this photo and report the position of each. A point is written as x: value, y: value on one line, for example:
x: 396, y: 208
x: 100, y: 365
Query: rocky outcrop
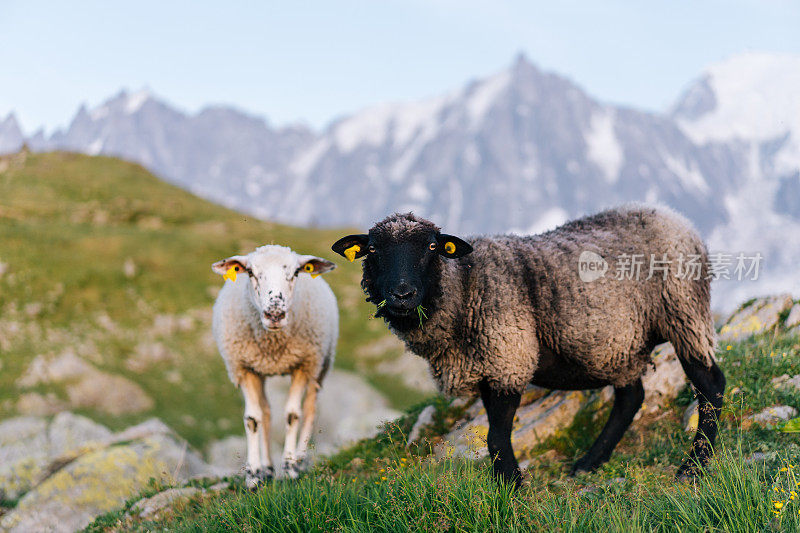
x: 150, y: 508
x: 760, y: 315
x: 535, y: 422
x: 793, y: 320
x: 544, y: 414
x: 86, y: 387
x: 70, y: 470
x: 771, y: 415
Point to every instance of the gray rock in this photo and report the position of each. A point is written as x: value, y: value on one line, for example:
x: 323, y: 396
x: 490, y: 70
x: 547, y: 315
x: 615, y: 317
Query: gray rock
x: 786, y: 381
x: 228, y: 455
x: 760, y: 316
x: 146, y: 354
x: 150, y: 427
x: 31, y: 449
x: 23, y: 450
x: 68, y: 432
x: 86, y: 386
x: 33, y: 403
x: 100, y: 481
x: 770, y: 415
x: 664, y: 381
x: 793, y: 320
x: 424, y: 420
x: 150, y: 508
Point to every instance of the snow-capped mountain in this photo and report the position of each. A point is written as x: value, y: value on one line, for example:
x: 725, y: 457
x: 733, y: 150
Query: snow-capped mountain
x: 220, y: 153
x: 520, y: 150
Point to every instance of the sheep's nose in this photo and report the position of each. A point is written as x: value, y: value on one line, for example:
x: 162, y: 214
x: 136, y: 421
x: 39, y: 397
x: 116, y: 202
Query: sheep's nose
x: 404, y: 292
x: 275, y: 315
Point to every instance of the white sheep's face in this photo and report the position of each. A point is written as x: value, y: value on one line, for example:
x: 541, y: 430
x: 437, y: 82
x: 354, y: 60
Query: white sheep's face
x: 272, y: 272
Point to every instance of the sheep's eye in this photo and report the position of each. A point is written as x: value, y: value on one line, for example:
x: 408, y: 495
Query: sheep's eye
x: 371, y: 249
x: 432, y: 246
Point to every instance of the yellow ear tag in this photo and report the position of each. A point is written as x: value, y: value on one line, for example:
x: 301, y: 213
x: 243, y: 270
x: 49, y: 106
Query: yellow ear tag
x: 351, y: 252
x: 231, y: 273
x: 449, y: 247
x: 308, y: 267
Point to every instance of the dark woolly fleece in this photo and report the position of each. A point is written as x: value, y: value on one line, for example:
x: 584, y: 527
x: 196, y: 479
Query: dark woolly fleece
x: 515, y: 311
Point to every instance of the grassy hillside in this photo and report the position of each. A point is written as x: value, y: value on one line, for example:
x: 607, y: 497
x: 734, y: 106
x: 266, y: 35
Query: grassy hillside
x: 382, y: 485
x: 102, y: 258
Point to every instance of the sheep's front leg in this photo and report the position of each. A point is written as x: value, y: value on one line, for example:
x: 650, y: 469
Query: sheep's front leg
x: 309, y: 414
x: 500, y: 409
x: 293, y: 402
x: 256, y: 426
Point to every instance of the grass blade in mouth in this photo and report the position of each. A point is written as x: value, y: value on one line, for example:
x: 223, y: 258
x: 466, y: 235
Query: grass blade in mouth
x: 378, y: 308
x: 421, y: 314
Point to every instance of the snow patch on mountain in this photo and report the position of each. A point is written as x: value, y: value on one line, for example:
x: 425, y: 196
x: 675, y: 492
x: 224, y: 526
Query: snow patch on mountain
x: 484, y: 95
x: 755, y: 98
x: 397, y: 123
x: 604, y: 149
x: 136, y: 100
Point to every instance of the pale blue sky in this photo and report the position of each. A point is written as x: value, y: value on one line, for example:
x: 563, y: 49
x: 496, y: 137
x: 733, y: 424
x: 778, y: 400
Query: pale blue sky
x: 312, y: 61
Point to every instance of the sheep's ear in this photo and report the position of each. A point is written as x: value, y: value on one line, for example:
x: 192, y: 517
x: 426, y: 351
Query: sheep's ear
x: 237, y: 262
x: 352, y: 247
x: 452, y: 246
x: 315, y: 265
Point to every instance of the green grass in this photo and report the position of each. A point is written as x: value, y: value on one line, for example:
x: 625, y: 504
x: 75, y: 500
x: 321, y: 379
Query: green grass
x: 69, y: 223
x: 409, y: 494
x: 634, y: 491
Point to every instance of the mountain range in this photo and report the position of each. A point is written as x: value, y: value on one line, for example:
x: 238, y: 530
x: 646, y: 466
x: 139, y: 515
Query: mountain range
x: 522, y: 150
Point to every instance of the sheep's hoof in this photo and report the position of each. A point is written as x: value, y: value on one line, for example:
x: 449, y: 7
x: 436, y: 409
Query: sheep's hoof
x: 291, y: 469
x: 688, y: 472
x: 582, y: 466
x: 254, y: 480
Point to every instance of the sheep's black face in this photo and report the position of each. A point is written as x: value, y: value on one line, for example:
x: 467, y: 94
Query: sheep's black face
x: 402, y: 266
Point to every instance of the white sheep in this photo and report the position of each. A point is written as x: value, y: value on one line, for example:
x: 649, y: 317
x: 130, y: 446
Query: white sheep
x: 272, y: 317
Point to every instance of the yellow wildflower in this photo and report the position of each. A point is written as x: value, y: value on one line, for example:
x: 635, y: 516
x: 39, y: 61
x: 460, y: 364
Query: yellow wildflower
x: 778, y: 505
x: 383, y: 478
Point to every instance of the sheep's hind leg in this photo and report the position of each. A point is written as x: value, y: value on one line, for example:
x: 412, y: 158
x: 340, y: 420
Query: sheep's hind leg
x: 293, y: 403
x: 253, y: 392
x: 627, y: 402
x: 709, y: 384
x: 500, y: 409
